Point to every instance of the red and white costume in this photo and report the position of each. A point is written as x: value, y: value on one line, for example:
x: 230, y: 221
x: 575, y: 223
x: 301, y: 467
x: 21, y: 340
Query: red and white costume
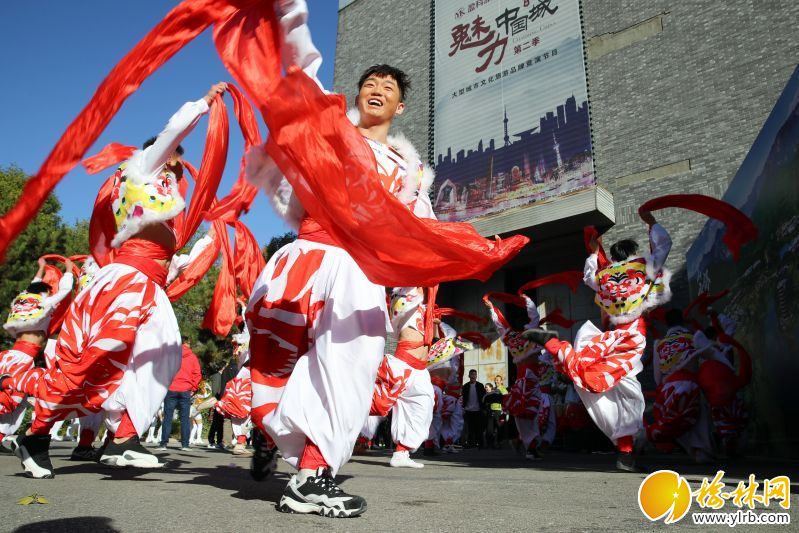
x: 528, y: 403
x: 445, y: 367
x: 120, y: 345
x: 317, y: 324
x: 603, y: 364
x: 403, y: 382
x: 451, y: 405
x: 29, y: 312
x: 679, y: 413
x: 236, y: 402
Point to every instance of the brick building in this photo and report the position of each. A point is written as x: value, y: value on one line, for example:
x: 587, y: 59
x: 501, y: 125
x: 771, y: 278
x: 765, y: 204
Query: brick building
x: 677, y: 90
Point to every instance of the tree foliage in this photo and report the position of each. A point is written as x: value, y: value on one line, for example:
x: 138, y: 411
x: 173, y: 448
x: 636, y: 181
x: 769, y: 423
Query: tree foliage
x: 278, y: 242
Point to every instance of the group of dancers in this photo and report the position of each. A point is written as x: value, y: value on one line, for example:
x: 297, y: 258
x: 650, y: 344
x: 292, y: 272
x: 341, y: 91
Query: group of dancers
x: 314, y: 375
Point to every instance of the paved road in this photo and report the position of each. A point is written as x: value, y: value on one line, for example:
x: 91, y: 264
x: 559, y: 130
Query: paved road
x: 208, y: 491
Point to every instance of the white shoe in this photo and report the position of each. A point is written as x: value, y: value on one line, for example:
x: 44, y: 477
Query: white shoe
x: 403, y: 460
x: 129, y: 453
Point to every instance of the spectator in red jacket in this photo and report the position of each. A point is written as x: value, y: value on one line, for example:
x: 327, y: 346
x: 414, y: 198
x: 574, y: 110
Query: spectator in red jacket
x: 186, y: 382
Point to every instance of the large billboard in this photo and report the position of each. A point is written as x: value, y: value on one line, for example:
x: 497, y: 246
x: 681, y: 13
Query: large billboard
x: 764, y: 300
x: 511, y: 105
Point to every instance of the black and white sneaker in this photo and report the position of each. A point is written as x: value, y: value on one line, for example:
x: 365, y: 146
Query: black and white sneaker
x: 319, y: 494
x: 83, y: 453
x: 264, y: 458
x: 129, y: 453
x: 34, y: 452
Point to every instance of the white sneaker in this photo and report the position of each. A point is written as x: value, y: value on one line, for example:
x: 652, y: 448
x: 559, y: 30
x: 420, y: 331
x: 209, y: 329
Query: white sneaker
x: 161, y: 449
x: 403, y: 460
x: 321, y: 495
x: 129, y: 453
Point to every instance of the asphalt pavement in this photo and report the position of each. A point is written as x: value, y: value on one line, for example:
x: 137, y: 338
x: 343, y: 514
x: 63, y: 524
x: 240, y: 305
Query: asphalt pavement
x: 475, y: 490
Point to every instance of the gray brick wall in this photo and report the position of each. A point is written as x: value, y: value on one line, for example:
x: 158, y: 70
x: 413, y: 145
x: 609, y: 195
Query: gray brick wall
x: 700, y: 90
x: 396, y: 33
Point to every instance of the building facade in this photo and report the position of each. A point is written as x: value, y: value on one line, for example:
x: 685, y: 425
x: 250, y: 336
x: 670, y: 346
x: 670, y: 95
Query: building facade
x: 678, y: 91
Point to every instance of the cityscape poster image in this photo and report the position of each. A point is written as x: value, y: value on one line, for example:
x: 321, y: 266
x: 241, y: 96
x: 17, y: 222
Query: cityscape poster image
x: 511, y: 105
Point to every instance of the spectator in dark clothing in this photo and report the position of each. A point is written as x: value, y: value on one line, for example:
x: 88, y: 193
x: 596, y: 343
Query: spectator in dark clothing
x: 185, y: 383
x: 218, y: 383
x: 492, y: 404
x: 472, y: 396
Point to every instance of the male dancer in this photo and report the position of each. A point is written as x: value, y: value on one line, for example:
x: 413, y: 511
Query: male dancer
x: 313, y: 300
x: 603, y: 365
x: 300, y: 306
x: 120, y: 345
x: 29, y: 322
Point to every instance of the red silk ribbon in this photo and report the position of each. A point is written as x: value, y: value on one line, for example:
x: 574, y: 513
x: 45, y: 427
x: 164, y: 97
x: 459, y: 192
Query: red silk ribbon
x: 739, y: 228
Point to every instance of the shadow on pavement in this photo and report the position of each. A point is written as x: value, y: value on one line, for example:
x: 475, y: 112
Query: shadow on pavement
x: 100, y: 524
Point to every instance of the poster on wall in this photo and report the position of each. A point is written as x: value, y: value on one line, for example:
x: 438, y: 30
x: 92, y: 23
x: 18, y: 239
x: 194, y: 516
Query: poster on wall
x: 511, y: 105
x: 763, y: 299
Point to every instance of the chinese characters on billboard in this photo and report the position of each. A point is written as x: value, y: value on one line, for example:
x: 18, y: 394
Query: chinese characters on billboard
x: 511, y: 105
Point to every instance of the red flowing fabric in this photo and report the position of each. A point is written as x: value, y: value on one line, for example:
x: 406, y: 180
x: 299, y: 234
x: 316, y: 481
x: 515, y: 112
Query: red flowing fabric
x: 222, y: 312
x: 476, y: 337
x: 718, y: 381
x: 556, y: 317
x: 248, y: 259
x: 102, y: 225
x: 430, y: 293
x: 572, y: 278
x: 334, y: 174
x: 242, y: 194
x: 505, y: 297
x: 739, y: 228
x: 590, y: 233
x: 111, y: 155
x: 178, y: 28
x: 211, y: 169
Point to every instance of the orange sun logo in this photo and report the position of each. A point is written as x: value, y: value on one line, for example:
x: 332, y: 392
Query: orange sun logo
x: 664, y: 494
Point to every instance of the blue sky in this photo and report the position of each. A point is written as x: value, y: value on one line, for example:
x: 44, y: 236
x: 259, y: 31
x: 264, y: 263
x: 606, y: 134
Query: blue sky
x: 53, y: 55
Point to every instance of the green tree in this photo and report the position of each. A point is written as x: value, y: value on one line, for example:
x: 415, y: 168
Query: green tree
x: 278, y: 242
